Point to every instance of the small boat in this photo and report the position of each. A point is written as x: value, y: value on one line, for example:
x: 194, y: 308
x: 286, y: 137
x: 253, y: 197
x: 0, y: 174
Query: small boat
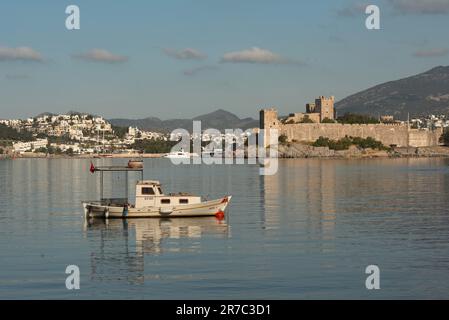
x: 135, y: 163
x: 152, y: 202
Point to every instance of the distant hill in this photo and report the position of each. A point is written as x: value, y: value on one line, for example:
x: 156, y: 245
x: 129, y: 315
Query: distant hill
x: 220, y: 119
x: 71, y: 112
x: 420, y: 95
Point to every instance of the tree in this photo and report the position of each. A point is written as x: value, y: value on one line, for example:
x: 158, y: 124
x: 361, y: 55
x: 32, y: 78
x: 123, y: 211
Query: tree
x: 346, y: 142
x: 444, y: 139
x: 51, y: 149
x: 1, y: 151
x: 8, y: 133
x: 69, y: 152
x: 353, y: 118
x: 153, y: 145
x: 41, y: 150
x: 306, y: 119
x: 327, y: 120
x: 120, y: 132
x: 282, y: 139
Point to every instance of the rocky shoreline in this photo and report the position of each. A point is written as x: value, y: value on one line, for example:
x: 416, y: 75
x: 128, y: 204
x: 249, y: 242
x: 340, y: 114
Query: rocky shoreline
x: 285, y: 151
x: 32, y: 155
x: 298, y: 150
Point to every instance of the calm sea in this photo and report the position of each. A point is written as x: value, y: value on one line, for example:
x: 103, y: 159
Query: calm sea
x: 308, y: 232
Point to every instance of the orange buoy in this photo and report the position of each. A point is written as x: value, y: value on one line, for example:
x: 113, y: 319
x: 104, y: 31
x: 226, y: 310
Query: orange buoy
x: 220, y: 215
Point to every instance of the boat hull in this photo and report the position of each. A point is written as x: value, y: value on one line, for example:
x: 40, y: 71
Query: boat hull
x: 217, y: 207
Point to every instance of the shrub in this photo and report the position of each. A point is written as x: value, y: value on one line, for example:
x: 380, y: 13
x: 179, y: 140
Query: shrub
x: 153, y: 145
x: 444, y: 139
x: 41, y: 150
x: 327, y: 120
x: 306, y: 119
x: 346, y: 142
x: 69, y: 152
x: 282, y: 139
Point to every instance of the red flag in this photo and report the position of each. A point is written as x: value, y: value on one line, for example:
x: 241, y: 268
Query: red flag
x: 92, y: 167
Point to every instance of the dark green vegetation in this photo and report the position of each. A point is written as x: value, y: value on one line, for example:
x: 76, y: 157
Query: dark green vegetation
x: 53, y: 150
x: 445, y: 137
x: 346, y: 142
x: 120, y: 132
x: 153, y: 146
x: 10, y: 134
x: 282, y: 139
x: 353, y: 118
x: 306, y: 119
x: 327, y: 120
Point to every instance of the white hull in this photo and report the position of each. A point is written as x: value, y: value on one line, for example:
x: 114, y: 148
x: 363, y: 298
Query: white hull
x: 94, y: 209
x: 180, y: 155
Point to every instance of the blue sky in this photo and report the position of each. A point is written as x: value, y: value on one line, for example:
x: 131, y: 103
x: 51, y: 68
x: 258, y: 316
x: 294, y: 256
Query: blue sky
x: 179, y: 59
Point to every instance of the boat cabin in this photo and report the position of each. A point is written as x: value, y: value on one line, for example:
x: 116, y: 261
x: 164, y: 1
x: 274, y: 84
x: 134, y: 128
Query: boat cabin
x: 149, y: 194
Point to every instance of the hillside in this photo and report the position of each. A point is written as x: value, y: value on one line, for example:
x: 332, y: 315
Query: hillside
x: 419, y: 95
x: 219, y: 119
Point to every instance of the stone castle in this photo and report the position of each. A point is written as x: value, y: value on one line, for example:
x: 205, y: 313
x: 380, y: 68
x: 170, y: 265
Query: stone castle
x: 322, y: 109
x: 309, y: 126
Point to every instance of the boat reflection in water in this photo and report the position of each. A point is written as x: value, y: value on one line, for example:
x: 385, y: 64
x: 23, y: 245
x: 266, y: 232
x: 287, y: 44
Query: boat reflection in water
x: 118, y: 247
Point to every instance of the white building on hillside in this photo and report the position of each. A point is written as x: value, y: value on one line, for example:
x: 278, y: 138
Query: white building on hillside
x: 21, y: 147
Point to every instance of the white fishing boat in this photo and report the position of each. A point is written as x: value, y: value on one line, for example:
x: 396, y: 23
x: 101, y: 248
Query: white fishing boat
x: 151, y: 201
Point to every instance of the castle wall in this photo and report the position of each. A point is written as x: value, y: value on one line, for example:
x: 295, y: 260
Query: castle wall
x: 424, y: 138
x: 389, y: 134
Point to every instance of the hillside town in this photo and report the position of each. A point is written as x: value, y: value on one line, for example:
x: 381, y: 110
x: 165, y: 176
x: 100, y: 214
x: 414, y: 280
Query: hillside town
x: 84, y: 134
x: 73, y: 134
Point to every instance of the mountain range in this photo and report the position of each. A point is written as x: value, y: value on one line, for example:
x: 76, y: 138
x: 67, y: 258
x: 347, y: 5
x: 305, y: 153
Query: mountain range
x: 219, y: 119
x: 419, y: 95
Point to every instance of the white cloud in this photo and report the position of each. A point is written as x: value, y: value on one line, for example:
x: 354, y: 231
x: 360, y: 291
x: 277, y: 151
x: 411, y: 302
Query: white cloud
x: 253, y: 55
x: 437, y: 52
x: 20, y: 54
x: 101, y: 55
x: 185, y: 54
x: 420, y: 6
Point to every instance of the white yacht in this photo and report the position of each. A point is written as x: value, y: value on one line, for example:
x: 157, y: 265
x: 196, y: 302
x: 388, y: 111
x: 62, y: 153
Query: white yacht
x: 180, y: 155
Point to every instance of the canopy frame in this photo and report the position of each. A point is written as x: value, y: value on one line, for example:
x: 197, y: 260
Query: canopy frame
x: 103, y: 169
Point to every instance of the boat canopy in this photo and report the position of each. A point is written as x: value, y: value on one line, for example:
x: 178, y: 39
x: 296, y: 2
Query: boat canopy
x: 125, y: 169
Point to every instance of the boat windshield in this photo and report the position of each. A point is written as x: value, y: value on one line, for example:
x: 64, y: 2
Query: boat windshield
x: 160, y: 190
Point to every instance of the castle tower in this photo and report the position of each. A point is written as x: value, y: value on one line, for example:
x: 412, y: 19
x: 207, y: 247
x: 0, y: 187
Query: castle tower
x: 325, y: 107
x: 310, y: 108
x: 268, y: 119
